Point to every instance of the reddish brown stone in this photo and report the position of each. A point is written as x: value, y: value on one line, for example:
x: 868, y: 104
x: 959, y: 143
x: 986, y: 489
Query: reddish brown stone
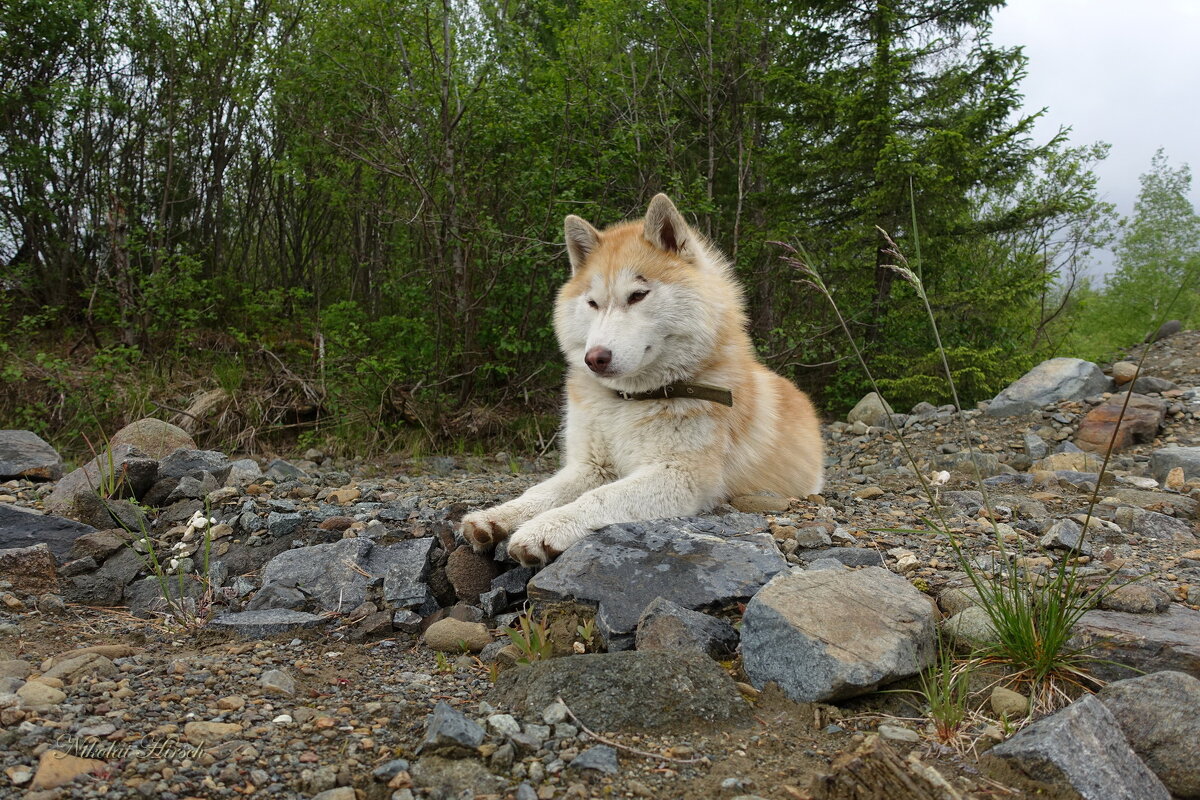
x: 30, y: 570
x: 336, y: 524
x: 1140, y: 423
x: 470, y: 573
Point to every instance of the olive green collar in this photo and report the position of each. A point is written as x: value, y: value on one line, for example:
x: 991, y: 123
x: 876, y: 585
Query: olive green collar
x: 683, y: 391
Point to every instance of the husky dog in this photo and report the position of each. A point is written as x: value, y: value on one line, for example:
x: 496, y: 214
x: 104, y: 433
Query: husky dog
x: 669, y: 413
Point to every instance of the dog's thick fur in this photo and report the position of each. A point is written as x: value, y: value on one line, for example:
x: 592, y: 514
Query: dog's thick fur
x: 650, y: 303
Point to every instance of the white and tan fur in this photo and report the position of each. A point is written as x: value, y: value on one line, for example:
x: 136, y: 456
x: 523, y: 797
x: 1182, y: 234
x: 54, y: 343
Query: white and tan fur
x: 664, y: 304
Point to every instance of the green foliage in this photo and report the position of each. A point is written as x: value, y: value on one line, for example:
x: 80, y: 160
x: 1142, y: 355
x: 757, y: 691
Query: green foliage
x: 373, y: 192
x: 531, y: 637
x: 945, y: 687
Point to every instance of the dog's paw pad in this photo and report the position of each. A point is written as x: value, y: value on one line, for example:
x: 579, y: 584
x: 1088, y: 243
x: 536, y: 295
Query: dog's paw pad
x: 482, y: 533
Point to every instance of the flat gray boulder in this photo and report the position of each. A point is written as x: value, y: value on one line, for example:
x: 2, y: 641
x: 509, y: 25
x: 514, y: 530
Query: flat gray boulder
x: 20, y: 527
x: 1158, y: 715
x: 24, y: 454
x: 694, y: 562
x: 1049, y: 382
x: 627, y: 691
x: 336, y: 575
x: 1166, y: 459
x: 834, y: 633
x: 1083, y: 746
x: 1129, y: 644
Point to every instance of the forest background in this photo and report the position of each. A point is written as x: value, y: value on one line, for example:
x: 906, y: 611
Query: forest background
x: 308, y: 222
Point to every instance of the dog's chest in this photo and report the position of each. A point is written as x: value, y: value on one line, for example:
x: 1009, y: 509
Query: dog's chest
x: 629, y: 434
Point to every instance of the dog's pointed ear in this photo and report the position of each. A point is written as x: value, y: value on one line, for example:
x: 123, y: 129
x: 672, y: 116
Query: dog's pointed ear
x: 665, y: 227
x: 582, y: 240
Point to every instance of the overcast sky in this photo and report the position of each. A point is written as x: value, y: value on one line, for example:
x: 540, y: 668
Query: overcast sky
x: 1126, y: 72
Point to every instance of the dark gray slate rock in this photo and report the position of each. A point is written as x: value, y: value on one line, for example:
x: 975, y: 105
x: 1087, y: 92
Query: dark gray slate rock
x: 450, y: 733
x: 267, y: 622
x: 192, y: 462
x: 668, y: 626
x: 330, y: 573
x: 275, y: 595
x: 135, y: 473
x: 598, y: 757
x: 405, y: 569
x: 1049, y: 382
x: 1164, y: 460
x: 283, y: 523
x: 514, y: 580
x: 1158, y: 715
x: 196, y: 486
x: 1131, y: 644
x: 1083, y: 746
x: 693, y: 561
x: 106, y: 586
x: 848, y: 556
x: 627, y: 691
x: 21, y: 528
x: 336, y: 575
x: 24, y: 454
x: 830, y: 634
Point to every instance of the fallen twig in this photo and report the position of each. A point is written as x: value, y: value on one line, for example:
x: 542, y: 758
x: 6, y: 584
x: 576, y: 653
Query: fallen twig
x: 619, y: 746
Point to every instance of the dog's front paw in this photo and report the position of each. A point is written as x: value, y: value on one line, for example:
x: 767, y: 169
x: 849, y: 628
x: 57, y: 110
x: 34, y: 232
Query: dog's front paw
x: 544, y: 538
x: 483, y: 529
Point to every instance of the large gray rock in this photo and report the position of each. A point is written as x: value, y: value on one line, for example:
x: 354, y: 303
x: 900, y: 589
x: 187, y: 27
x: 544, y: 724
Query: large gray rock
x: 331, y: 573
x: 336, y: 575
x: 1182, y: 505
x: 668, y: 626
x: 627, y: 691
x: 695, y: 562
x: 1049, y: 382
x: 405, y: 569
x: 20, y: 527
x: 183, y: 462
x: 1153, y: 525
x: 125, y: 469
x: 1158, y: 715
x: 1129, y: 644
x: 829, y: 634
x: 1164, y: 460
x: 1083, y: 746
x: 24, y: 454
x: 106, y: 586
x: 872, y: 410
x: 155, y: 438
x: 450, y: 733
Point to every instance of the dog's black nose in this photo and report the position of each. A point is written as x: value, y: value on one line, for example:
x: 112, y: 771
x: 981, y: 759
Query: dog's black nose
x: 598, y: 359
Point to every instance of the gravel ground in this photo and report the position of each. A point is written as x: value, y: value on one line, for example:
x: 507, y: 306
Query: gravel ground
x: 195, y: 713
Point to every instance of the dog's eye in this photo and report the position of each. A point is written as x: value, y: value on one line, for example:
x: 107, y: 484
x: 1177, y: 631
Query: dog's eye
x: 593, y: 304
x: 638, y: 297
